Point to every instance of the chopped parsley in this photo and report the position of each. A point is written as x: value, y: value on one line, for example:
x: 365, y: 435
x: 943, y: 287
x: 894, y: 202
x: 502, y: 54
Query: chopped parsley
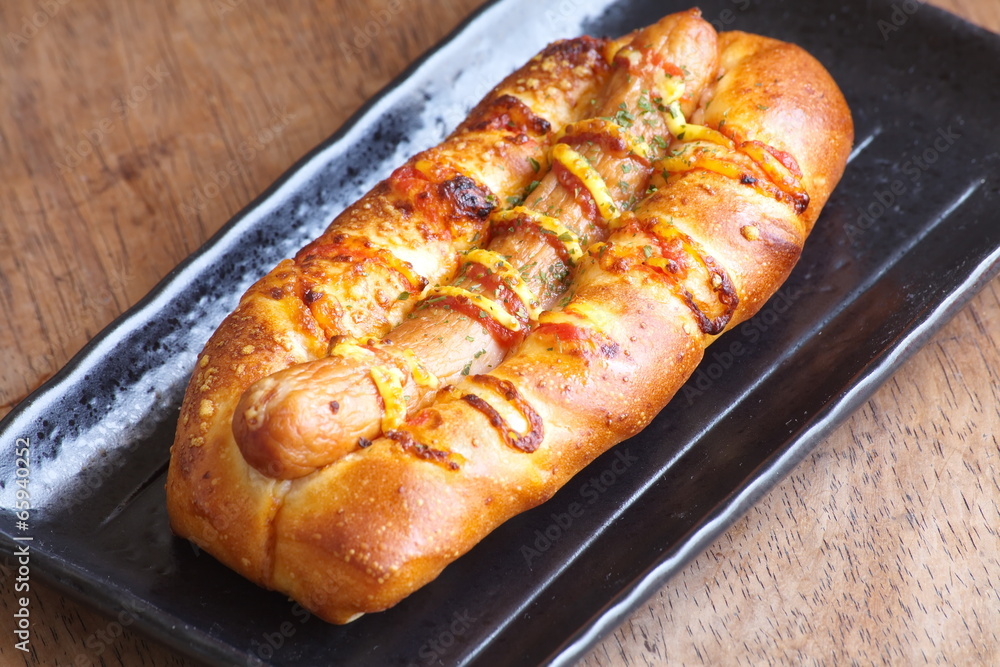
x: 623, y: 117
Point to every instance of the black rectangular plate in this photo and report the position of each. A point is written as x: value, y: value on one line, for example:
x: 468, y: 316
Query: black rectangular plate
x: 910, y: 235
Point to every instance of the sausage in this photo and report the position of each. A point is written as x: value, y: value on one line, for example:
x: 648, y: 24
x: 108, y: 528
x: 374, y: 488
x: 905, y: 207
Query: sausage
x: 307, y: 416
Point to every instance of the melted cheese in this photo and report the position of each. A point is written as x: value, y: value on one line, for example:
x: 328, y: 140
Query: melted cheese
x: 421, y: 376
x: 679, y: 163
x: 352, y: 349
x: 491, y: 307
x: 389, y: 382
x: 403, y: 268
x: 510, y: 276
x: 670, y: 88
x: 577, y: 165
x: 548, y: 225
x: 419, y: 373
x: 779, y: 174
x: 776, y: 171
x: 359, y: 350
x: 580, y: 313
x: 684, y: 131
x: 660, y: 263
x: 425, y: 167
x: 382, y: 250
x: 664, y: 228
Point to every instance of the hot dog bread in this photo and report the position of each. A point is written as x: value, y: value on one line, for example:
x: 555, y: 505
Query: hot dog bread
x: 406, y: 232
x: 749, y: 168
x: 297, y: 420
x: 701, y: 254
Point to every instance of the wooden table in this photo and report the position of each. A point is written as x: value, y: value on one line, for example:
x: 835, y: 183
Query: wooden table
x: 881, y: 546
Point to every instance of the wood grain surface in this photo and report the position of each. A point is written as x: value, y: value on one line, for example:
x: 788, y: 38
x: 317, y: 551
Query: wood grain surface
x: 881, y: 547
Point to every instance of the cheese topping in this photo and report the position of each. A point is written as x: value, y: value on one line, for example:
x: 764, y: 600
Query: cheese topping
x: 425, y: 167
x: 489, y: 306
x: 510, y: 276
x: 580, y: 313
x: 359, y: 350
x: 664, y: 229
x: 779, y: 174
x: 548, y: 225
x: 680, y: 163
x: 419, y: 373
x: 352, y: 349
x: 421, y: 376
x: 659, y: 263
x: 366, y: 249
x: 671, y: 88
x: 577, y: 165
x: 684, y: 131
x: 389, y: 382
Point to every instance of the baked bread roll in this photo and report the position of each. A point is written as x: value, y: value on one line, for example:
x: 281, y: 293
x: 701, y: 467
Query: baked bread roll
x: 749, y: 167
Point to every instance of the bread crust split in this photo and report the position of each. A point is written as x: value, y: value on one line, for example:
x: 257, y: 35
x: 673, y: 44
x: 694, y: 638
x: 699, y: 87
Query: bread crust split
x: 720, y: 223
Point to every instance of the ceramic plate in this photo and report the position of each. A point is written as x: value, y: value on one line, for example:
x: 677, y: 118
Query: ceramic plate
x: 910, y: 234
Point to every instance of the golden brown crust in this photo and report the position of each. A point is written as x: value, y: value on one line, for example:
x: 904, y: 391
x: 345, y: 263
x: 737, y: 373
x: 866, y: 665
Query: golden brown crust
x: 704, y: 251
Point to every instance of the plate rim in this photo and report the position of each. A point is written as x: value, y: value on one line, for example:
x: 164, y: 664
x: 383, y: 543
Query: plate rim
x: 62, y: 576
